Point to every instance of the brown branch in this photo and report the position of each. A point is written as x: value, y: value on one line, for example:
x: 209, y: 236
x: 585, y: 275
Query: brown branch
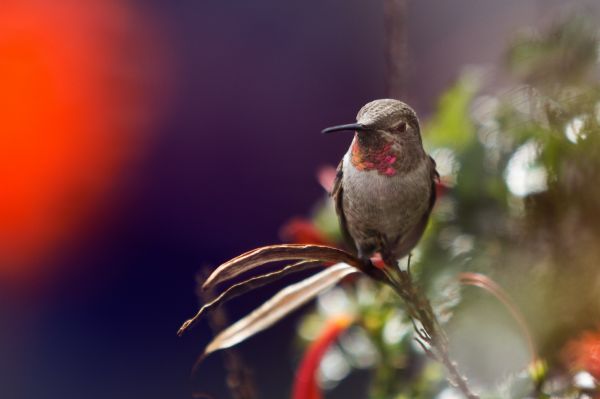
x: 396, y: 47
x: 431, y: 337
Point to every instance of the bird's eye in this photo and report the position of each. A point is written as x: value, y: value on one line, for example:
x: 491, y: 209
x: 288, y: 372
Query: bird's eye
x: 401, y: 128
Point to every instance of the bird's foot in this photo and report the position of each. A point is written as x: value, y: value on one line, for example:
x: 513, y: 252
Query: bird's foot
x: 366, y: 260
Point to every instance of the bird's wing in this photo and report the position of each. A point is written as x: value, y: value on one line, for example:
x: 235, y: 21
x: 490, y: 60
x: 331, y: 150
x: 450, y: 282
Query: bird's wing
x: 412, y: 238
x: 337, y: 193
x: 435, y: 178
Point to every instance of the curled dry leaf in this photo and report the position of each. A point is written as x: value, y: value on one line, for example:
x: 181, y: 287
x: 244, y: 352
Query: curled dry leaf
x: 245, y: 286
x: 305, y: 256
x: 276, y: 253
x: 284, y: 302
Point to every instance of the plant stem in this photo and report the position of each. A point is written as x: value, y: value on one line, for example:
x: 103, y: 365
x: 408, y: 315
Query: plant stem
x: 430, y: 334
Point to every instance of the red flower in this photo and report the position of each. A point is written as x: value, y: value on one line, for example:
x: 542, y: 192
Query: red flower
x: 326, y: 176
x: 305, y: 383
x: 302, y: 231
x: 441, y: 189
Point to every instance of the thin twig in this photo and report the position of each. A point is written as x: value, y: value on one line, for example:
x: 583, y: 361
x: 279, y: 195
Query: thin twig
x: 397, y: 48
x: 484, y: 282
x: 431, y: 337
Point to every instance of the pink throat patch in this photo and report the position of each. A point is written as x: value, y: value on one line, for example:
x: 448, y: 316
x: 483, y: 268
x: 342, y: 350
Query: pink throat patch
x: 382, y: 159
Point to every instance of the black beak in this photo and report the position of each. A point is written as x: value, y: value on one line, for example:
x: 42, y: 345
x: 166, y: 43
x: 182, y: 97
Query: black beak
x: 355, y: 127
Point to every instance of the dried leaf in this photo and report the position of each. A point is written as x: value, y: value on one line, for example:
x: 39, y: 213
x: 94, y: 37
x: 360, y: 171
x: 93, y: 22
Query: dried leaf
x: 280, y: 305
x: 245, y: 286
x: 275, y: 253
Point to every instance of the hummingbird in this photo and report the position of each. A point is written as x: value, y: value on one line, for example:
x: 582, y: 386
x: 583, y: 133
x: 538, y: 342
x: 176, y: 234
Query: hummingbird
x: 384, y: 188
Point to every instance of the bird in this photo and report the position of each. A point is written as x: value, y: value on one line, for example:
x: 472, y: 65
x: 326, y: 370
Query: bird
x: 385, y: 185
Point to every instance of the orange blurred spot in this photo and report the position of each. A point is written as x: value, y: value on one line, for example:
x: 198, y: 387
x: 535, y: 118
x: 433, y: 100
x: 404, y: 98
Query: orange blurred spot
x: 68, y: 118
x: 583, y: 353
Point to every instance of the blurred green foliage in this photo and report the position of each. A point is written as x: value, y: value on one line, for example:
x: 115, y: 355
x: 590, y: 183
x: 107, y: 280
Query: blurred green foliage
x: 520, y: 165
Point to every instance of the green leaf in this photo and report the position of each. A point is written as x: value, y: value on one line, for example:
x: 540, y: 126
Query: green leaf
x: 451, y: 125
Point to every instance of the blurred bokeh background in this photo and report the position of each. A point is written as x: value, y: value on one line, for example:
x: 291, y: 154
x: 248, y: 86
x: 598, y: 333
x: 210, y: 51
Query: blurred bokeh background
x: 141, y: 141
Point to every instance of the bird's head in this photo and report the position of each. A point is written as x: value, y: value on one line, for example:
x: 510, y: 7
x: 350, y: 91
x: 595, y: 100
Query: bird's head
x: 387, y: 119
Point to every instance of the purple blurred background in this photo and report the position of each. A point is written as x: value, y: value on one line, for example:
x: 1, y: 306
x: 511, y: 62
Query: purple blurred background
x: 233, y: 96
